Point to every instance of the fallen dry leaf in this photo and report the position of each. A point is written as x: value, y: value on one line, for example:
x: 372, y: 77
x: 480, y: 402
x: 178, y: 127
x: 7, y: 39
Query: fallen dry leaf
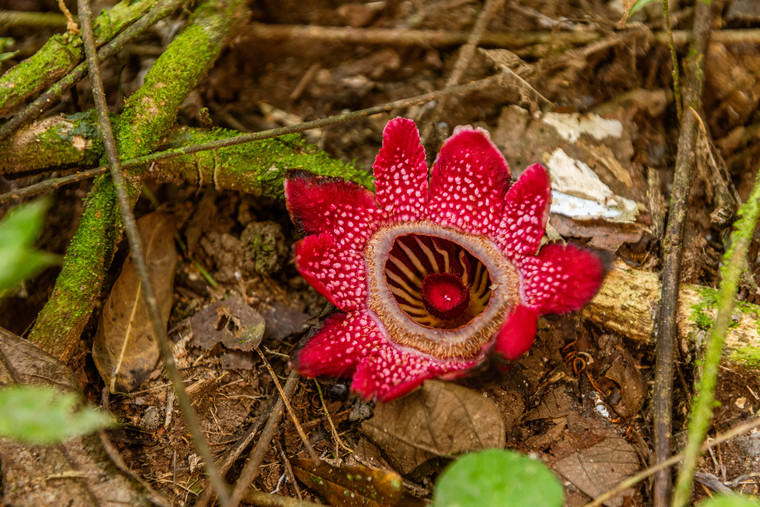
x: 598, y: 468
x: 124, y: 348
x: 231, y: 323
x: 440, y: 420
x: 75, y: 473
x: 607, y: 236
x: 355, y: 485
x: 619, y: 366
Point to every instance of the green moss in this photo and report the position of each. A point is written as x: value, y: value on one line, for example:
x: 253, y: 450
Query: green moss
x: 747, y: 356
x: 147, y: 116
x: 58, y: 56
x: 256, y: 168
x: 78, y: 286
x: 702, y: 312
x: 56, y: 141
x: 150, y: 112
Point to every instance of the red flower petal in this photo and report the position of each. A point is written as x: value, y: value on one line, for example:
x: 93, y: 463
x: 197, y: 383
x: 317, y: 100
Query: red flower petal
x: 337, y: 273
x: 387, y: 373
x: 338, y: 346
x: 401, y: 173
x: 468, y: 183
x: 518, y: 333
x: 526, y: 210
x: 561, y: 279
x: 320, y: 204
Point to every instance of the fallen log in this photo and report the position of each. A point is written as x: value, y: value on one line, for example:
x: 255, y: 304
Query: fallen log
x: 628, y: 303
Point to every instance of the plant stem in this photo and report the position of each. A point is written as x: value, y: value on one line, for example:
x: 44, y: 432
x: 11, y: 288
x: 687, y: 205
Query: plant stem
x: 632, y: 481
x: 674, y: 57
x: 672, y: 251
x: 701, y: 416
x: 262, y: 499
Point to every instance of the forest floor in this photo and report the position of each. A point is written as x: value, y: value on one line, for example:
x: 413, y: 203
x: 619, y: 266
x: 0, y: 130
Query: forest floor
x: 580, y: 400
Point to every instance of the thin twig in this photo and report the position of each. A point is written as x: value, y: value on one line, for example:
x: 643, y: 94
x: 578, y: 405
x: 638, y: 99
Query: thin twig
x: 71, y: 25
x: 288, y: 468
x: 109, y: 142
x: 445, y: 38
x: 33, y: 19
x: 299, y: 429
x: 702, y: 411
x: 55, y: 92
x: 268, y: 500
x: 251, y: 470
x: 674, y: 57
x: 635, y: 479
x: 51, y: 184
x: 234, y: 452
x: 672, y: 248
x: 338, y: 441
x: 463, y: 60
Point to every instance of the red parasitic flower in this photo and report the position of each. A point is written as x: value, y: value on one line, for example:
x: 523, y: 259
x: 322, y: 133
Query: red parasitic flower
x: 433, y: 275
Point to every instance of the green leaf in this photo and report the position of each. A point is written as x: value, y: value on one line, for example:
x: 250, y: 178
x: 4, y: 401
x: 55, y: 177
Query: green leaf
x: 731, y: 501
x: 7, y: 56
x: 18, y: 259
x: 41, y: 415
x: 640, y: 5
x: 6, y: 42
x: 494, y: 478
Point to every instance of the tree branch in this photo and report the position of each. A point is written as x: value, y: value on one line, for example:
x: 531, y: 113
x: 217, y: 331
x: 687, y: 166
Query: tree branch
x: 147, y: 116
x: 672, y: 248
x: 61, y: 53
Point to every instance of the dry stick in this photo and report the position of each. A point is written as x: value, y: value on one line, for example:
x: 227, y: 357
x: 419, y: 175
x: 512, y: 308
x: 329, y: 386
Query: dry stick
x: 268, y: 500
x: 635, y: 479
x: 443, y: 38
x: 299, y: 429
x: 672, y: 248
x: 338, y: 441
x: 496, y: 79
x: 71, y: 25
x: 138, y: 255
x: 251, y: 470
x: 33, y: 19
x: 51, y: 184
x: 674, y: 57
x: 702, y: 411
x: 56, y: 91
x: 463, y: 59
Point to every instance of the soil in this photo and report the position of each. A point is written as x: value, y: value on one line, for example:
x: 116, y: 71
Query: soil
x: 581, y: 392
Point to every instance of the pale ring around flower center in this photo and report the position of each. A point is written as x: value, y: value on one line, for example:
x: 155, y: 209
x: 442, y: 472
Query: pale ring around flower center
x: 400, y: 256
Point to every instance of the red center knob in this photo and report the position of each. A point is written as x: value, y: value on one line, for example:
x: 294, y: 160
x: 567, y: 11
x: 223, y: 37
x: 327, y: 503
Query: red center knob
x: 445, y: 296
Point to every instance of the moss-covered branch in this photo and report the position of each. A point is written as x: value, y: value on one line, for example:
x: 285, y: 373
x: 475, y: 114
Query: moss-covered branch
x: 147, y: 117
x: 55, y: 141
x: 629, y: 300
x: 255, y: 168
x: 63, y: 52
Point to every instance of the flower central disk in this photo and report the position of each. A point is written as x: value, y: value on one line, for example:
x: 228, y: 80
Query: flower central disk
x: 437, y: 282
x: 438, y: 290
